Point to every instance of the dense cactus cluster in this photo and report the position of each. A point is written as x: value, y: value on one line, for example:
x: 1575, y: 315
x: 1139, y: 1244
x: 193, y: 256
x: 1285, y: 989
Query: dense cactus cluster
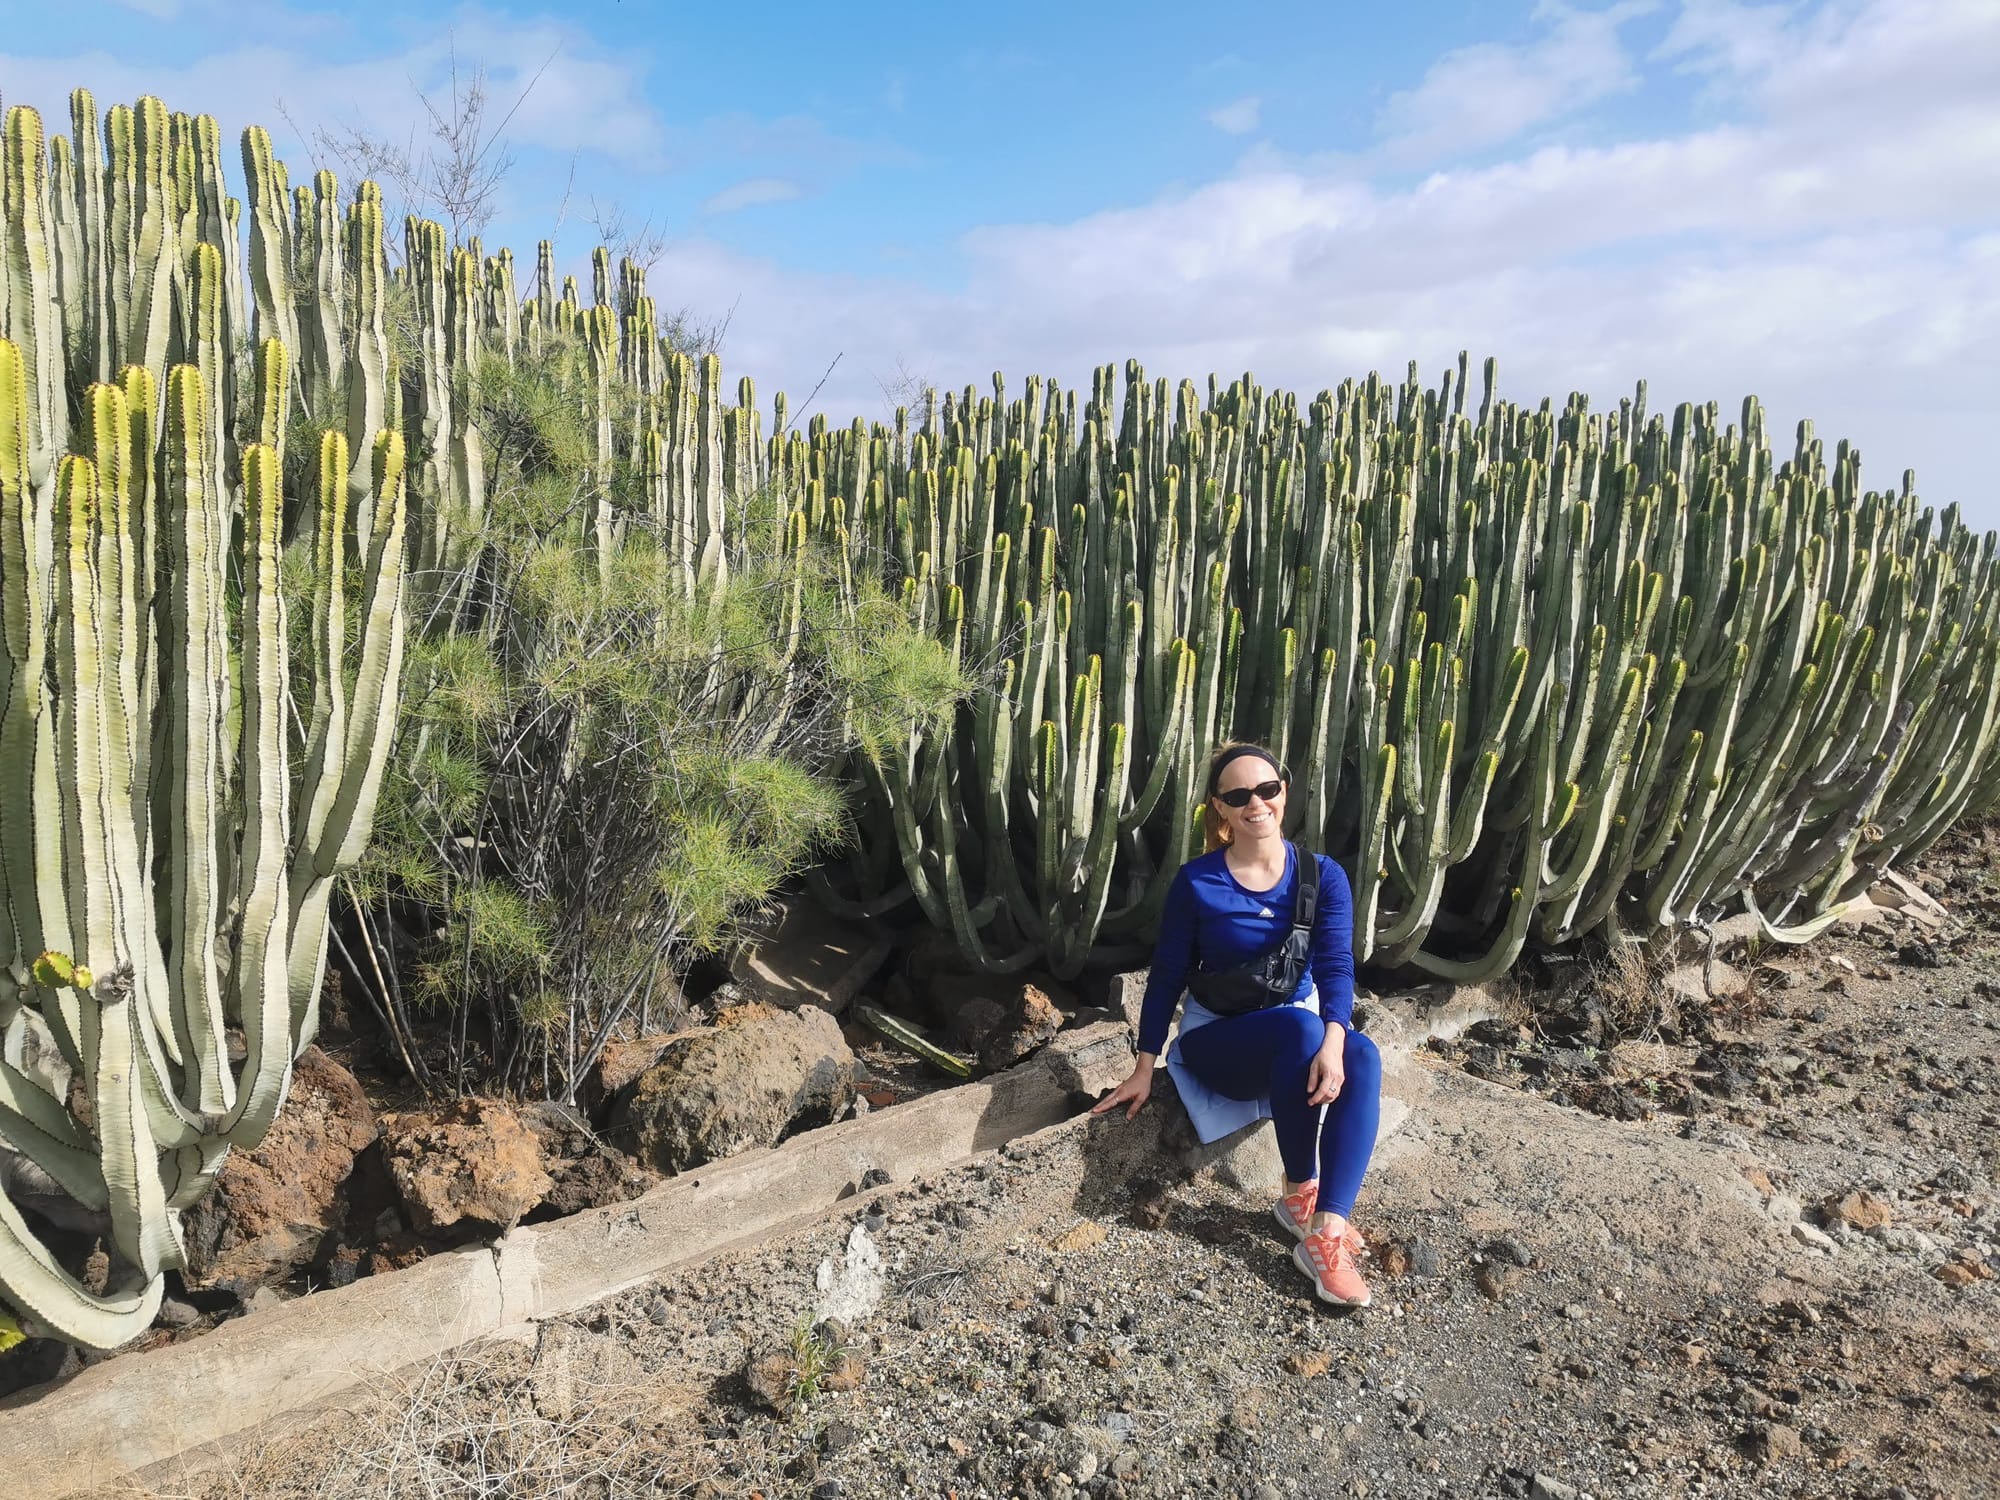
x: 179, y: 782
x: 1540, y: 672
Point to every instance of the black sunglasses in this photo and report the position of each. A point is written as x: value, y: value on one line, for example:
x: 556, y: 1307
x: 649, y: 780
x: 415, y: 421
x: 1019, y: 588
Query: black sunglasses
x: 1240, y: 796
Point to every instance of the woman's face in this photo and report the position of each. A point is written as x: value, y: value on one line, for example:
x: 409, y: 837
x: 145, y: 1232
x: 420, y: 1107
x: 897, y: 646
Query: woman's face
x: 1263, y: 816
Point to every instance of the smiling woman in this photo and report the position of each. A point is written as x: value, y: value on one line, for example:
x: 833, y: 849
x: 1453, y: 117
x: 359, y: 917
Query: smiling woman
x: 1256, y: 947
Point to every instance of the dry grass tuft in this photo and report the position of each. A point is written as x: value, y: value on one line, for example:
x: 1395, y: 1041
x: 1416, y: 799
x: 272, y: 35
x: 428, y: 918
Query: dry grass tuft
x: 1513, y: 998
x: 467, y: 1427
x: 1630, y: 979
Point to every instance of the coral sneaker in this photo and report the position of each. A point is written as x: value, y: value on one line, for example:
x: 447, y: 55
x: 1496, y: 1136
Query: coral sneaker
x: 1326, y: 1258
x: 1295, y: 1211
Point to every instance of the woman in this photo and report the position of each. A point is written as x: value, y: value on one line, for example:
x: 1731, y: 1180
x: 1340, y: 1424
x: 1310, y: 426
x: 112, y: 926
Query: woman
x: 1298, y: 1061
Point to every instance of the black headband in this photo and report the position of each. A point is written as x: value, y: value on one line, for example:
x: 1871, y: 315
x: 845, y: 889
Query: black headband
x: 1236, y: 753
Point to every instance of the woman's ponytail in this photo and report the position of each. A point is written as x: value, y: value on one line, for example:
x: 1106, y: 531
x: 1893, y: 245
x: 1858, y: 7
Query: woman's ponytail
x: 1214, y: 829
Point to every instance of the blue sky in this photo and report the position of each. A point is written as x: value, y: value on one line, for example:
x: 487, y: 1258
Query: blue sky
x: 1800, y: 200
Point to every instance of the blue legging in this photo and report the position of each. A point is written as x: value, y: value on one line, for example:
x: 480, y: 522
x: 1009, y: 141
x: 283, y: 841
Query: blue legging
x: 1267, y: 1053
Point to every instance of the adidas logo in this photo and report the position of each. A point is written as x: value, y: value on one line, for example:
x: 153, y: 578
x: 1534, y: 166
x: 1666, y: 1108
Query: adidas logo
x: 1265, y: 912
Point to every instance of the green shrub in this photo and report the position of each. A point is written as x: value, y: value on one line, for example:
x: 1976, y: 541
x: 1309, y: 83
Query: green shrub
x: 598, y: 773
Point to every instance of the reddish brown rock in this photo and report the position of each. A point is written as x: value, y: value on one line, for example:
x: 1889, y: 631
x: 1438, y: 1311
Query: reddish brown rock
x: 1857, y: 1210
x: 1393, y: 1256
x: 846, y: 1373
x: 589, y: 1171
x: 1032, y: 1021
x: 947, y: 995
x: 474, y: 1161
x: 605, y: 1176
x: 755, y: 1077
x: 562, y: 1132
x: 272, y: 1207
x: 1773, y: 1443
x: 395, y: 1252
x: 772, y: 1381
x: 1963, y: 1272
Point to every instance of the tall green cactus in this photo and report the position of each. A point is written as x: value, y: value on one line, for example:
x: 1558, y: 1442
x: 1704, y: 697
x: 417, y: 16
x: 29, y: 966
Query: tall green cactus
x: 167, y: 857
x: 164, y: 862
x: 1392, y: 593
x: 130, y: 968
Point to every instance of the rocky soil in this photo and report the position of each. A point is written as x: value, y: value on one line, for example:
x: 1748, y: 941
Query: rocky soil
x: 1748, y: 1254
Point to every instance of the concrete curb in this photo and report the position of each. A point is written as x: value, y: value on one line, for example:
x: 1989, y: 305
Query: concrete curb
x: 140, y: 1410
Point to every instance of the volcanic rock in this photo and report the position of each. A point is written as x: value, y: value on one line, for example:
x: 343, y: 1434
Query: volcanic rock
x: 271, y: 1207
x: 1031, y: 1021
x: 474, y: 1161
x: 758, y: 1075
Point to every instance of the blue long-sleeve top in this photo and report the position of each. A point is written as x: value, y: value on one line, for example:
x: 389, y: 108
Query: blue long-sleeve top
x: 1211, y: 921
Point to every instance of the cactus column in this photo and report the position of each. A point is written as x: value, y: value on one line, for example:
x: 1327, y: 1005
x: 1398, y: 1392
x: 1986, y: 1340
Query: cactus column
x: 119, y: 971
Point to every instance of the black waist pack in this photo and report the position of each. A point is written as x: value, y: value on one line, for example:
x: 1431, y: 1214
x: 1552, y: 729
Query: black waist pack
x: 1269, y: 978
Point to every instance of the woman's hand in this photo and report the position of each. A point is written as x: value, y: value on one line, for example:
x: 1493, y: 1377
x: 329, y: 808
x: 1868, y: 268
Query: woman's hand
x: 1133, y: 1092
x: 1328, y: 1072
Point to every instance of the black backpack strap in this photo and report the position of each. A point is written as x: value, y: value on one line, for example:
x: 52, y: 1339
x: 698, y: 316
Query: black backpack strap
x: 1305, y: 906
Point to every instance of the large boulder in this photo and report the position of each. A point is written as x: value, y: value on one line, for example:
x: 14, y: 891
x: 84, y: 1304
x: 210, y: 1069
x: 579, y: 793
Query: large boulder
x: 272, y: 1207
x: 755, y: 1077
x: 474, y: 1163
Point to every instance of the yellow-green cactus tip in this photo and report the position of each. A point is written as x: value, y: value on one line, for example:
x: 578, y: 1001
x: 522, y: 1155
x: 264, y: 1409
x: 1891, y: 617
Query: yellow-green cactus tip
x: 11, y: 1332
x: 55, y: 971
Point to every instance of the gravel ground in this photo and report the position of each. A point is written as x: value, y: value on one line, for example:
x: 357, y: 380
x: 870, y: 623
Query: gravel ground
x: 1760, y: 1263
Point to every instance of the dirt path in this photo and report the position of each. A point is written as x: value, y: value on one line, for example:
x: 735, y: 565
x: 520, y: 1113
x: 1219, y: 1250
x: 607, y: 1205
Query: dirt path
x: 1567, y: 1303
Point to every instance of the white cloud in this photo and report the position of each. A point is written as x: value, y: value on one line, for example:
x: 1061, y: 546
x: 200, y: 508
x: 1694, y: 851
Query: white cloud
x: 582, y: 100
x: 1728, y: 38
x: 1845, y: 62
x: 1828, y: 238
x: 1238, y: 118
x: 1483, y: 95
x: 750, y: 193
x: 556, y: 90
x: 1841, y: 263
